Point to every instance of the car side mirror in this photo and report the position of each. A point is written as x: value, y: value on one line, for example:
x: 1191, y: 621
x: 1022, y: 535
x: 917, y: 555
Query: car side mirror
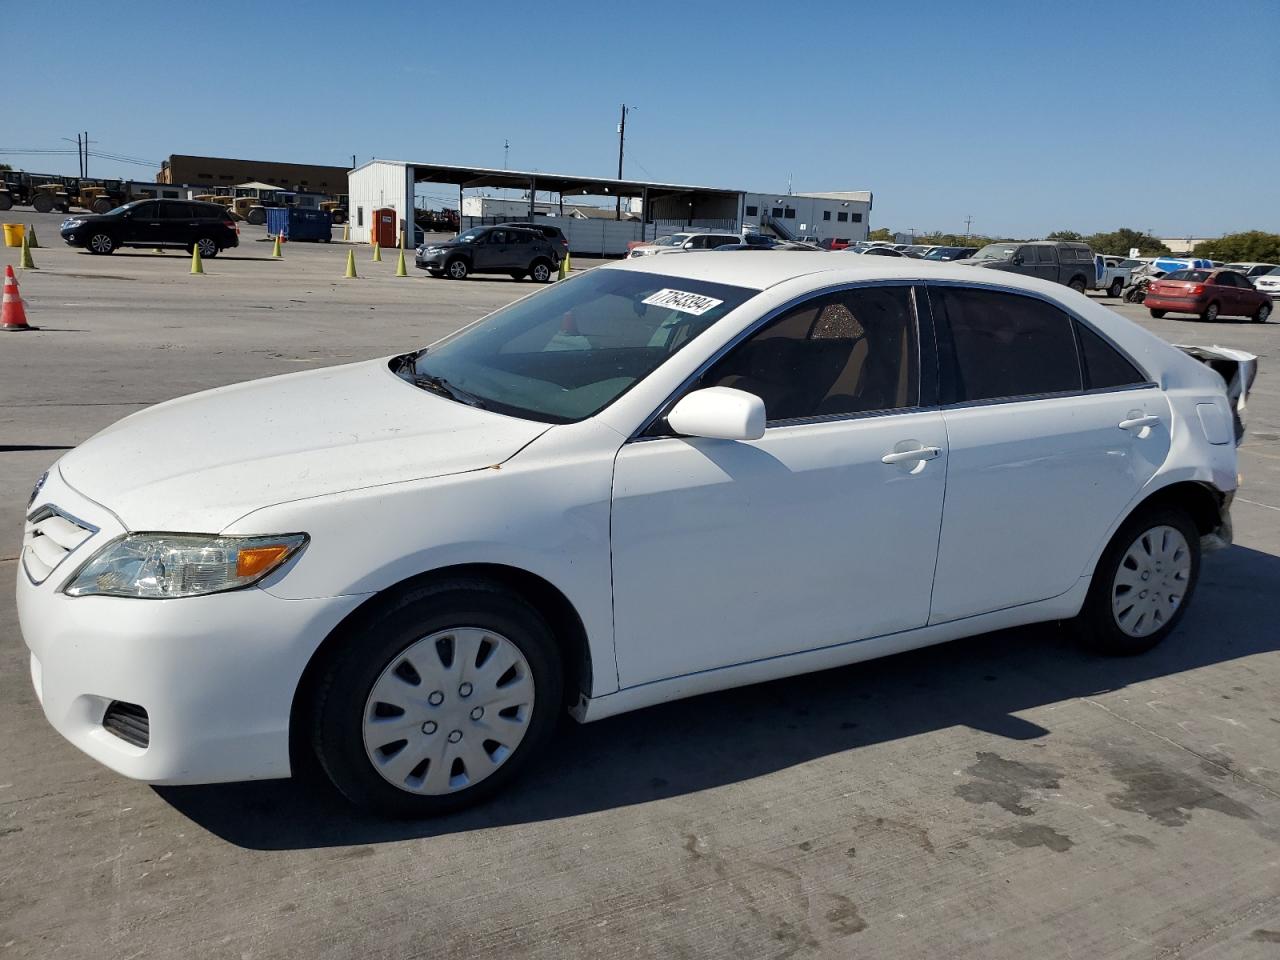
x: 720, y: 413
x: 687, y: 245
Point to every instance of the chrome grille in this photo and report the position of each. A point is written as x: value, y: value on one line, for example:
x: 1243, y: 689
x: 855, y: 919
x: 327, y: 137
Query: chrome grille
x: 48, y: 538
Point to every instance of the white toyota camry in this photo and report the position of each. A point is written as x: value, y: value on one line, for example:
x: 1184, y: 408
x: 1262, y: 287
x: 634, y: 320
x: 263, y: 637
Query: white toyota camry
x: 658, y: 478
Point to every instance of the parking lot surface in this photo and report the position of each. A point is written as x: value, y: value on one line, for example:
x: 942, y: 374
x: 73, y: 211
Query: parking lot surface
x: 1004, y: 796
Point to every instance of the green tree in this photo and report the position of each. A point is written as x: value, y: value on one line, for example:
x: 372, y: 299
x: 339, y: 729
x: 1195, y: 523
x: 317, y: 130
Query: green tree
x: 5, y: 166
x: 880, y: 233
x: 952, y: 240
x: 1118, y: 243
x: 1069, y: 235
x: 1252, y: 245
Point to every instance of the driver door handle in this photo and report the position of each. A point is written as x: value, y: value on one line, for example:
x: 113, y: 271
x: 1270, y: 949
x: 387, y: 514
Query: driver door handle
x: 906, y: 456
x: 1138, y: 423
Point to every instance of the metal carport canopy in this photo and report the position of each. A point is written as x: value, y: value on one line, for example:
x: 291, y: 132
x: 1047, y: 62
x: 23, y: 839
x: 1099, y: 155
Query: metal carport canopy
x: 469, y: 177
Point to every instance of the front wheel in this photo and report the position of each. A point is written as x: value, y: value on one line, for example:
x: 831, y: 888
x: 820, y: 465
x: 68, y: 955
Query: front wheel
x: 102, y: 243
x: 1262, y: 314
x: 43, y: 203
x: 256, y: 216
x: 1157, y: 314
x: 1113, y: 291
x: 1142, y: 584
x: 438, y: 699
x: 540, y: 271
x: 457, y: 269
x: 1210, y: 313
x: 102, y: 205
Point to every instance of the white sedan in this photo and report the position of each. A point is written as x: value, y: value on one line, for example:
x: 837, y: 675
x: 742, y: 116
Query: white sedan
x: 655, y: 479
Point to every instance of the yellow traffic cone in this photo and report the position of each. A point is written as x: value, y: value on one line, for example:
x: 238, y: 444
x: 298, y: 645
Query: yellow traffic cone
x: 377, y: 252
x: 197, y: 265
x: 400, y: 268
x: 351, y: 264
x: 275, y: 248
x: 565, y: 266
x: 346, y: 232
x: 26, y: 263
x: 31, y: 232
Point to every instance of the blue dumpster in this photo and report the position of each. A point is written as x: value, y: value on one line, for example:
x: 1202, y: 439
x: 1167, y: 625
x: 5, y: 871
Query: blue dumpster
x: 295, y: 224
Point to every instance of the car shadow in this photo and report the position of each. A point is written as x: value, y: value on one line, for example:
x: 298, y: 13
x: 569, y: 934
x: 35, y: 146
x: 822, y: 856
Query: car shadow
x: 723, y: 738
x: 177, y: 253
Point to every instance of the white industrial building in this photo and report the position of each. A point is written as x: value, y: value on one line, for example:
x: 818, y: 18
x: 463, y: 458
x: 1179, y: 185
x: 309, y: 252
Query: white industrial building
x: 640, y: 210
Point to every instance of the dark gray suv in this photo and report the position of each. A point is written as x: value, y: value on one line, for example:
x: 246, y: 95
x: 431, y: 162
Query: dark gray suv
x: 1058, y: 260
x: 512, y: 250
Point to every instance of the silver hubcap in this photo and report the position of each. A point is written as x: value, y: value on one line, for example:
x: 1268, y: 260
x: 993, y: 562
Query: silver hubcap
x: 448, y: 711
x: 208, y: 248
x: 540, y: 272
x: 458, y: 270
x: 100, y: 242
x: 1151, y: 581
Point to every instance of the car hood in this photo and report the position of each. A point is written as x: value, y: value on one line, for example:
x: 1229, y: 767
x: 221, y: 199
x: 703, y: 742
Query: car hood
x: 200, y: 462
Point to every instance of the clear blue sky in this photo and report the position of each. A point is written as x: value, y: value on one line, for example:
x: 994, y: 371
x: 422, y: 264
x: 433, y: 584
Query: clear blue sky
x: 1029, y: 116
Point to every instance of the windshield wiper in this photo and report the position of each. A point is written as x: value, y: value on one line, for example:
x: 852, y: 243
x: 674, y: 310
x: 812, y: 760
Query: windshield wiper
x: 446, y: 389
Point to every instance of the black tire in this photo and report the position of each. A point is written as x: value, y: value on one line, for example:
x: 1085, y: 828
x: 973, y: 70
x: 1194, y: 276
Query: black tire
x: 1113, y: 291
x: 339, y: 219
x: 1097, y: 625
x: 518, y: 274
x: 1210, y: 312
x: 208, y: 247
x: 376, y: 640
x: 102, y: 243
x: 457, y: 269
x: 42, y: 202
x: 1158, y: 314
x: 1077, y: 284
x: 101, y: 205
x: 540, y: 271
x: 257, y: 216
x: 6, y: 201
x: 1262, y: 314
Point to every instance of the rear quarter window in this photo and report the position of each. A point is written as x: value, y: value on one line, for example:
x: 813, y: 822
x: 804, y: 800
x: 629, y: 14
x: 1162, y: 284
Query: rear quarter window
x: 1104, y: 365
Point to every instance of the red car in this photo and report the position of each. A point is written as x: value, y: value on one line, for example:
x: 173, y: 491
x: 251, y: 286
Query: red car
x: 1209, y: 293
x: 833, y: 243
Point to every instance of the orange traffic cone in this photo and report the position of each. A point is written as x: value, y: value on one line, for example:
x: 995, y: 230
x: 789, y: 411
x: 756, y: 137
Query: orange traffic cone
x: 13, y: 315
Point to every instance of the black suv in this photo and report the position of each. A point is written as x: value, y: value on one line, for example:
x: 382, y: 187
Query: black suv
x: 512, y: 250
x: 155, y: 223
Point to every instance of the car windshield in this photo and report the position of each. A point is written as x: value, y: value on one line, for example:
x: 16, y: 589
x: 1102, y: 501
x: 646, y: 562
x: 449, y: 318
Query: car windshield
x: 672, y: 241
x: 472, y: 235
x: 940, y: 253
x: 1195, y: 276
x: 996, y: 251
x: 566, y: 353
x: 1273, y: 272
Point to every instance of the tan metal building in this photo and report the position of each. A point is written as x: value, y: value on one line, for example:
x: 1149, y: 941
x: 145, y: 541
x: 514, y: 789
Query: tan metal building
x: 226, y: 172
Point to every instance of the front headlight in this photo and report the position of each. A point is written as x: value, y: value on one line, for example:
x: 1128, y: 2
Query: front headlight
x: 160, y: 566
x: 73, y: 222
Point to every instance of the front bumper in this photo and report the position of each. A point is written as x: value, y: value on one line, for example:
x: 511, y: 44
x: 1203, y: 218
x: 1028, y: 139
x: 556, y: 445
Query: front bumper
x: 216, y: 674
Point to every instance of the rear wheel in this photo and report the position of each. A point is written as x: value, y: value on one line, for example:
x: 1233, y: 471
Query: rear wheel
x: 208, y: 247
x: 1117, y: 286
x: 540, y: 271
x: 457, y: 269
x: 1157, y: 314
x: 257, y: 216
x: 1142, y: 584
x: 438, y: 699
x: 102, y: 243
x: 1210, y: 313
x: 1262, y: 314
x: 1077, y: 284
x: 42, y: 202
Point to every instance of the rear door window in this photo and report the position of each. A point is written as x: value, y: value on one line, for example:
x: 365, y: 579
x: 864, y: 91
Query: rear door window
x: 1005, y: 345
x: 177, y: 211
x: 1046, y: 255
x: 1104, y: 365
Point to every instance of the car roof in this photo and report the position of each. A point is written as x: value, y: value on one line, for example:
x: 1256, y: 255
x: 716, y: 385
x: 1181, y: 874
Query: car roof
x: 756, y: 272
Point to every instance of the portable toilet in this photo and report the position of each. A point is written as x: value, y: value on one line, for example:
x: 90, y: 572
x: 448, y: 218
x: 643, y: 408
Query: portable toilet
x: 384, y: 229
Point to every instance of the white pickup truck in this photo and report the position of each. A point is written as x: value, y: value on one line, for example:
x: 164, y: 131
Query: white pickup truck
x: 1112, y: 273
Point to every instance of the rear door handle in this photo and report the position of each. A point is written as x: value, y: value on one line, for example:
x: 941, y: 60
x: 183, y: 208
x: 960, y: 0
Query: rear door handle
x: 908, y: 456
x: 1139, y: 423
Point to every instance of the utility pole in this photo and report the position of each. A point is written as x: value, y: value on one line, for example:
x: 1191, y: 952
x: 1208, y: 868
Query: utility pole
x: 86, y: 155
x: 506, y: 150
x: 967, y: 221
x: 622, y: 139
